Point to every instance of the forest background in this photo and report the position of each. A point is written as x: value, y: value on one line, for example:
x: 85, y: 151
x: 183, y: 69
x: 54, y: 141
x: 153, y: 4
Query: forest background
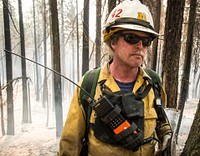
x: 47, y: 44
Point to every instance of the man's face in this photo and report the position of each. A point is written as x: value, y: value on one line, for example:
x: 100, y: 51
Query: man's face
x: 130, y: 50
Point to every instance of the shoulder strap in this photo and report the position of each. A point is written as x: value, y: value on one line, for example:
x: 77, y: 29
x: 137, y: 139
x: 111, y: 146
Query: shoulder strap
x: 155, y: 81
x: 159, y: 107
x: 89, y: 84
x: 154, y: 76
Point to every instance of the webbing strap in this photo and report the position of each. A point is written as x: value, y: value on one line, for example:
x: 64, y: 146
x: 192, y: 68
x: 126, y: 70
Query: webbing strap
x: 153, y: 75
x: 89, y: 84
x: 156, y: 82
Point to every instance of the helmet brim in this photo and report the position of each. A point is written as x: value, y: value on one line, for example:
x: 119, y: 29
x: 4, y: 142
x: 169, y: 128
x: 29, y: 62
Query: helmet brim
x: 137, y: 28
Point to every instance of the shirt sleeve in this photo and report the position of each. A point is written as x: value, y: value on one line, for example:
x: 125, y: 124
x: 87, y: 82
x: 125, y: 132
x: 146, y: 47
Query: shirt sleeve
x: 74, y: 128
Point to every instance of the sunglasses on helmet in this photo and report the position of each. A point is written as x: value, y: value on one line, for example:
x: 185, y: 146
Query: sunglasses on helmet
x: 133, y: 39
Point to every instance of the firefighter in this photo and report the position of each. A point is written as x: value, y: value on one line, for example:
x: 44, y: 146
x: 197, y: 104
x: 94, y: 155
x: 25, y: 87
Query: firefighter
x: 123, y: 92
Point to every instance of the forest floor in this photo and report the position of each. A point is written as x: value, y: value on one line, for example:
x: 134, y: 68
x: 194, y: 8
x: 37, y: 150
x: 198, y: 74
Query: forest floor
x: 37, y: 139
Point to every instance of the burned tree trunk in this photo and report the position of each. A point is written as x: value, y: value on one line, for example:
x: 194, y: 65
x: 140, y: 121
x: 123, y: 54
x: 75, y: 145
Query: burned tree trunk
x: 192, y: 146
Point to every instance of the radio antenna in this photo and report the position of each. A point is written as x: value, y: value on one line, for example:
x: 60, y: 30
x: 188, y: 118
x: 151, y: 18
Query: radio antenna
x: 51, y: 71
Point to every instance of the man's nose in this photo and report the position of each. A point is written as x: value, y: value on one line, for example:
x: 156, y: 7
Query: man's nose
x: 140, y: 45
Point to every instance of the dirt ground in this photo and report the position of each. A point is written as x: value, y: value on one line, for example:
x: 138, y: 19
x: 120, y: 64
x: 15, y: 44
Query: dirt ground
x: 187, y: 120
x: 37, y: 139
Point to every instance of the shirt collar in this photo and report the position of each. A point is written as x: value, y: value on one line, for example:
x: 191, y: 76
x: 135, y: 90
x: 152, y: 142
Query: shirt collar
x: 106, y: 77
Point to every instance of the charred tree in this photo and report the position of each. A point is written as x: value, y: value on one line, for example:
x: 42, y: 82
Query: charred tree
x: 196, y: 58
x: 187, y: 62
x: 56, y: 67
x: 9, y: 89
x: 98, y: 32
x: 36, y: 56
x: 192, y: 145
x: 171, y: 51
x: 45, y: 87
x: 85, y: 53
x: 25, y: 115
x: 77, y: 41
x: 155, y: 9
x: 2, y: 114
x: 111, y: 5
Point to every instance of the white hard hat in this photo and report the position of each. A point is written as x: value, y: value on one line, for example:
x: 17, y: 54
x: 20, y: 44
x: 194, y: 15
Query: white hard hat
x: 131, y: 15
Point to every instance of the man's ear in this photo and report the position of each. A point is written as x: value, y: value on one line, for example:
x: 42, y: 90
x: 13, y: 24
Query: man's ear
x: 112, y: 44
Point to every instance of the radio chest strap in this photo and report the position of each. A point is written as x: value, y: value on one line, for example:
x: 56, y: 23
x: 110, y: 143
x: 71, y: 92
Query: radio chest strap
x: 89, y: 84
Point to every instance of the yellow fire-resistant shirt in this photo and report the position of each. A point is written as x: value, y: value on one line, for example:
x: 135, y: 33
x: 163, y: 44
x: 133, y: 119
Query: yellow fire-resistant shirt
x: 74, y: 128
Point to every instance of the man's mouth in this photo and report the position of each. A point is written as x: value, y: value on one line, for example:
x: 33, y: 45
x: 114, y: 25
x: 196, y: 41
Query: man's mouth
x: 136, y: 54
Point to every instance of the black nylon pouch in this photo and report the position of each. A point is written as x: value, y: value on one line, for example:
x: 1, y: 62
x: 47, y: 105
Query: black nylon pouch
x: 132, y: 106
x: 133, y: 109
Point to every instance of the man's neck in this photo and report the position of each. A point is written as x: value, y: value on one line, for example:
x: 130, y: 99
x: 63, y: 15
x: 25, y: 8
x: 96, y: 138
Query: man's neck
x: 123, y: 74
